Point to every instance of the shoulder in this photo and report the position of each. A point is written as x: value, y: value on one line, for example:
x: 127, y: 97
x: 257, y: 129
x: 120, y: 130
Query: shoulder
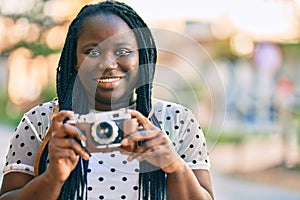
x: 42, y: 110
x: 38, y: 119
x: 158, y: 103
x: 170, y: 107
x: 172, y: 115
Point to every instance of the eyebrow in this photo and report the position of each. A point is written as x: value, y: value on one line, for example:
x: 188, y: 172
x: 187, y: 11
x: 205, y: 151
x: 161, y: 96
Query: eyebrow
x: 123, y: 44
x: 95, y: 44
x: 92, y: 44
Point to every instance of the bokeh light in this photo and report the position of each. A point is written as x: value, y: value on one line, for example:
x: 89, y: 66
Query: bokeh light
x: 242, y: 44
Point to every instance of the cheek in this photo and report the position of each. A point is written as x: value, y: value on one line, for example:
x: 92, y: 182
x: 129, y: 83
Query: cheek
x: 130, y: 63
x: 86, y: 65
x: 85, y: 71
x: 134, y: 78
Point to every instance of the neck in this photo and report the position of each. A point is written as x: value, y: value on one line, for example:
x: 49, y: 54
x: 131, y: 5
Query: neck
x: 100, y: 105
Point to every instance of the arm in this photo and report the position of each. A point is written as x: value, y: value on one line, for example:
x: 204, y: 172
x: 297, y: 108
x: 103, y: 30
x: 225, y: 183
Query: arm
x: 23, y: 186
x: 157, y: 149
x: 189, y: 184
x: 64, y: 153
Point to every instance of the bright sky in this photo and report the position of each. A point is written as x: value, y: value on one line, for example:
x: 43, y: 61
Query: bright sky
x: 257, y: 17
x: 164, y: 9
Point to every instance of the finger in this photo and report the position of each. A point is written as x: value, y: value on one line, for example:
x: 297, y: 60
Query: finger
x: 157, y: 141
x: 61, y: 117
x: 147, y: 154
x: 138, y: 136
x: 144, y: 135
x: 125, y: 151
x: 144, y: 122
x: 68, y: 144
x: 62, y: 153
x: 67, y: 130
x: 161, y: 156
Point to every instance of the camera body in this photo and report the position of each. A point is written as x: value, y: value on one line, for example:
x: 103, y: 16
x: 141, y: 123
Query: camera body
x: 104, y: 131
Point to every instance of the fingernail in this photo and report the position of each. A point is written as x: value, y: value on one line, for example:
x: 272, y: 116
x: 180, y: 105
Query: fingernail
x: 139, y: 158
x: 130, y: 158
x: 82, y: 137
x: 124, y: 142
x: 86, y: 156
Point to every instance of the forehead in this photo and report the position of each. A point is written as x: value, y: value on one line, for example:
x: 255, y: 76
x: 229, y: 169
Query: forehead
x: 103, y: 26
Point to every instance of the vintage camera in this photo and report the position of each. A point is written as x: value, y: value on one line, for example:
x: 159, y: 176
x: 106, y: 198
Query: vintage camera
x: 104, y: 130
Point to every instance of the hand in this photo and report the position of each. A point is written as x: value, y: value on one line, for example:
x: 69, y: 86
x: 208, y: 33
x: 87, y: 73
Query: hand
x: 156, y: 147
x: 64, y: 151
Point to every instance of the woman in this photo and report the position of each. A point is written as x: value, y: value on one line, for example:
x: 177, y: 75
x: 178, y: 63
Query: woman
x: 108, y: 63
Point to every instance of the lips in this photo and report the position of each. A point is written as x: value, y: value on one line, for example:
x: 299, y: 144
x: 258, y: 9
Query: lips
x: 108, y: 80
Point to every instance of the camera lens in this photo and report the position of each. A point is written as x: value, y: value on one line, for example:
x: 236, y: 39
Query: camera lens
x: 104, y: 130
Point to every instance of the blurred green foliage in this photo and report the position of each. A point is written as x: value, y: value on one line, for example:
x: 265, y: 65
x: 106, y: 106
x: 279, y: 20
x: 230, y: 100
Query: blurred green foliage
x: 11, y: 114
x: 38, y: 48
x: 48, y: 93
x: 8, y: 114
x: 232, y: 137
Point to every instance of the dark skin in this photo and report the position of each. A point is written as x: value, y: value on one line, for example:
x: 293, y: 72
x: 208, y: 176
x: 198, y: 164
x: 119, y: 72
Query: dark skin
x: 108, y: 61
x: 111, y: 70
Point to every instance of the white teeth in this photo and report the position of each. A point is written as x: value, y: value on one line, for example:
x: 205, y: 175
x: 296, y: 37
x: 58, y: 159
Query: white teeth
x: 108, y: 80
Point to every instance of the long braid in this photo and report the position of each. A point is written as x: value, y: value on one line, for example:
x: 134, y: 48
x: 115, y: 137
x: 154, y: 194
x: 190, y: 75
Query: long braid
x: 75, y: 185
x: 151, y: 179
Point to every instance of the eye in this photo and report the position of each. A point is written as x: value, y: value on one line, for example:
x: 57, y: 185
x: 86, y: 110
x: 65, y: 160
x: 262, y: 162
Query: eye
x: 93, y: 53
x: 122, y: 52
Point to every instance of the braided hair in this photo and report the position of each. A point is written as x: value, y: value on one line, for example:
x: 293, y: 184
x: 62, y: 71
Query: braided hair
x: 152, y: 182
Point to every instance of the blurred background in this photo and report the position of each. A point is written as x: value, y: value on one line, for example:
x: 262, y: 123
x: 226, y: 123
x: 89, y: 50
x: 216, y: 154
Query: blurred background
x: 246, y: 91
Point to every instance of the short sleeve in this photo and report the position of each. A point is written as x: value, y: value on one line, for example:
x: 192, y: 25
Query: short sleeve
x: 186, y: 134
x: 26, y: 140
x: 191, y: 143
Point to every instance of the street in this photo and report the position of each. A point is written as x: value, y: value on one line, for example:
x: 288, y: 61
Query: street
x: 226, y: 188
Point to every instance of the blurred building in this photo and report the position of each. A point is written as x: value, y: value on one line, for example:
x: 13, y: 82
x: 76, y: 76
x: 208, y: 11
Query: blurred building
x: 225, y: 58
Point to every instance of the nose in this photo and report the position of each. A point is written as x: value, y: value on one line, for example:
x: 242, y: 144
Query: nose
x: 109, y: 62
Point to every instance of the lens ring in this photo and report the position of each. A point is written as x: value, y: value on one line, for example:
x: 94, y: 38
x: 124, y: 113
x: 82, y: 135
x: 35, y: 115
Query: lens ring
x: 104, y: 132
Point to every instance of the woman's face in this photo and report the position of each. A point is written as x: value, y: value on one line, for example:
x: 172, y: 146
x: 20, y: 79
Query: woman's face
x: 108, y: 60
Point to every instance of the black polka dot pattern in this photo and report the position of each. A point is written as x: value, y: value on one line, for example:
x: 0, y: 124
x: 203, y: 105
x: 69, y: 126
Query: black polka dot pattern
x: 135, y: 188
x: 110, y: 175
x: 185, y: 133
x: 112, y: 169
x: 112, y: 187
x: 26, y: 138
x: 101, y: 179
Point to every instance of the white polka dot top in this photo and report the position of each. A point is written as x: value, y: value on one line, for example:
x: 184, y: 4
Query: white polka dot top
x: 110, y: 175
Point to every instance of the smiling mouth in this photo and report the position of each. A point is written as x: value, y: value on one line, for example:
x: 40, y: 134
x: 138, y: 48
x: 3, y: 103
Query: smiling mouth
x: 108, y: 80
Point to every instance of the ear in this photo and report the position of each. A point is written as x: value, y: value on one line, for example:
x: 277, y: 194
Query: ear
x: 76, y: 67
